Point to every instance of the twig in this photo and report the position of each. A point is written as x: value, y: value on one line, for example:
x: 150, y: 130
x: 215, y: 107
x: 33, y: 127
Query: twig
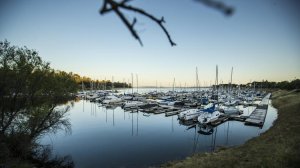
x: 112, y: 5
x: 227, y: 10
x: 115, y: 6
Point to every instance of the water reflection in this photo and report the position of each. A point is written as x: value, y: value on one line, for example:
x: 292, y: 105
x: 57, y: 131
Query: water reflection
x: 112, y: 137
x: 206, y: 129
x: 24, y: 123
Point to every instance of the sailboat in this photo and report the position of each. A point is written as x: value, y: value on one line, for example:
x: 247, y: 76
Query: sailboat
x: 81, y: 94
x: 194, y: 113
x: 230, y: 107
x: 212, y: 115
x: 112, y: 99
x: 208, y: 117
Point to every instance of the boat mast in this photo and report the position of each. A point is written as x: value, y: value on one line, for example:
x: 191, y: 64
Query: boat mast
x: 91, y: 86
x: 217, y: 83
x: 124, y: 84
x: 197, y: 79
x: 231, y: 79
x: 173, y: 85
x: 82, y: 87
x: 105, y: 83
x: 132, y: 83
x: 112, y: 83
x: 137, y: 84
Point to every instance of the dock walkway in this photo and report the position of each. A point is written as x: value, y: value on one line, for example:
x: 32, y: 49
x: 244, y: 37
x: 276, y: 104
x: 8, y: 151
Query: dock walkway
x: 258, y: 116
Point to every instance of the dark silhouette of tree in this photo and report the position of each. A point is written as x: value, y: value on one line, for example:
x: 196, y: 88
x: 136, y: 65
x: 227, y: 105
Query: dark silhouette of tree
x: 118, y: 7
x: 30, y: 91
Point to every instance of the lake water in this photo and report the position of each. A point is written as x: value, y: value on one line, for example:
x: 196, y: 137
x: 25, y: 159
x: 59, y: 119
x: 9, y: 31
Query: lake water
x: 113, y: 138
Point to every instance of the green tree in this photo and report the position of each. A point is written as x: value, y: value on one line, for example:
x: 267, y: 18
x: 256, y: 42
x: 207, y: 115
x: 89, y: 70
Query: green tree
x: 29, y: 92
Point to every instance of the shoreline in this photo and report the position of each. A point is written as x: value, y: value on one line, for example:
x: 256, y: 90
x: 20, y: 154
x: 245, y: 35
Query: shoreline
x: 277, y: 147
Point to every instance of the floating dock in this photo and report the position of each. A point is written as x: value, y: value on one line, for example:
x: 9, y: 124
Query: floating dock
x: 258, y: 116
x: 220, y: 120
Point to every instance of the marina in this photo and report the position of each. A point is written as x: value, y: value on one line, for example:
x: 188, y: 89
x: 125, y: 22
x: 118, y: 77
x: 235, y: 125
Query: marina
x: 150, y: 130
x: 190, y: 105
x: 140, y: 84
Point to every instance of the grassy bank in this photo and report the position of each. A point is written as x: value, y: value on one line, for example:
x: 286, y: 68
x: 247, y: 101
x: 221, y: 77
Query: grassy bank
x: 277, y: 147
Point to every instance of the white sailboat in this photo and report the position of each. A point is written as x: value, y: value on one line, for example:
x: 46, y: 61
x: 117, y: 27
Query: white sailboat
x: 194, y: 113
x: 132, y: 104
x: 111, y: 99
x: 208, y: 117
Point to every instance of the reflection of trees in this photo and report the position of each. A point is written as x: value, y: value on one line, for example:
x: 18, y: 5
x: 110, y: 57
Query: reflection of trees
x: 23, y: 127
x: 35, y: 121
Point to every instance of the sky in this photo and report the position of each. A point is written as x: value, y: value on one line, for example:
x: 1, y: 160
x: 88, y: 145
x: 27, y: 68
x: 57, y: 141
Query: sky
x: 261, y: 40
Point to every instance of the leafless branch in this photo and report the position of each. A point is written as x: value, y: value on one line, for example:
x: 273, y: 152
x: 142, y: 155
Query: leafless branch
x: 116, y: 7
x: 111, y: 5
x: 227, y: 10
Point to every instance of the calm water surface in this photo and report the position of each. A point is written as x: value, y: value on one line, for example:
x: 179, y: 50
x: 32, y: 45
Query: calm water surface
x: 113, y: 138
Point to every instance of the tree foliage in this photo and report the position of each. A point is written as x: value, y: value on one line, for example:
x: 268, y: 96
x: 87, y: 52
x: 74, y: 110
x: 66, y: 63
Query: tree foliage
x: 286, y: 85
x: 88, y: 83
x: 23, y: 73
x: 29, y: 94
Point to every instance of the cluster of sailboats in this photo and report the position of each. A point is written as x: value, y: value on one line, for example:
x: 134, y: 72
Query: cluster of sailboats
x: 204, y: 106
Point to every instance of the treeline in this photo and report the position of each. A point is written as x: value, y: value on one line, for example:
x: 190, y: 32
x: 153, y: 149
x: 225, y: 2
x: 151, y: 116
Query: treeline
x: 286, y: 85
x: 87, y: 83
x: 24, y: 73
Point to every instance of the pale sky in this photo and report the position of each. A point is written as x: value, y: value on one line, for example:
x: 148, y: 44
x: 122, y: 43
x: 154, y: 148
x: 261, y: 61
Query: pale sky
x: 260, y: 41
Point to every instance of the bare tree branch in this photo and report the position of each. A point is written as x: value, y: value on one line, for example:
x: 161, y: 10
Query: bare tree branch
x: 227, y: 10
x: 158, y: 21
x: 113, y: 5
x: 116, y: 6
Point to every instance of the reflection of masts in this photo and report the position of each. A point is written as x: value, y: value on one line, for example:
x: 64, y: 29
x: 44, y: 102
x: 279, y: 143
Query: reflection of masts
x: 131, y: 124
x: 213, y: 140
x: 195, y: 140
x: 113, y: 117
x: 91, y: 109
x: 227, y: 133
x: 106, y: 114
x: 83, y: 105
x: 172, y: 124
x: 95, y: 105
x: 137, y: 124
